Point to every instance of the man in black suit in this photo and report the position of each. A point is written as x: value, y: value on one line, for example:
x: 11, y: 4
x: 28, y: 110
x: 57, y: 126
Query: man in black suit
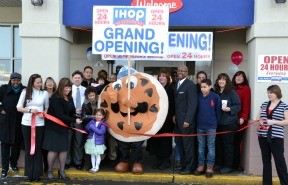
x: 185, y: 96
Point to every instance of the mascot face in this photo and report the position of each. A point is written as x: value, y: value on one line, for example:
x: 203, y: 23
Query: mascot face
x: 144, y: 88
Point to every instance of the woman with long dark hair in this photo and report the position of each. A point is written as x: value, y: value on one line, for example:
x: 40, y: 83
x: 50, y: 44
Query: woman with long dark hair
x: 31, y: 101
x: 161, y: 147
x: 231, y: 105
x: 56, y: 136
x: 242, y: 88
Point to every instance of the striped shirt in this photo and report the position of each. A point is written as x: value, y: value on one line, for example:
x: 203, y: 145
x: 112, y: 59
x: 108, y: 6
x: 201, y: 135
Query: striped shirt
x: 278, y: 114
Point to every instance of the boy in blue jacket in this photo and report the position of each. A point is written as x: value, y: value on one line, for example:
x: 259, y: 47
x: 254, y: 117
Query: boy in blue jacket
x: 208, y: 116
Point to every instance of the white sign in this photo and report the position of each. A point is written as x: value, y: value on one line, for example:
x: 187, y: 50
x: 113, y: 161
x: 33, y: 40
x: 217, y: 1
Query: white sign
x: 273, y: 68
x: 125, y: 30
x: 182, y: 46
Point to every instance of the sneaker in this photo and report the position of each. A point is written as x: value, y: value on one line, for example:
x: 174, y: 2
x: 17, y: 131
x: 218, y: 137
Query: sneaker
x: 209, y: 172
x: 15, y: 169
x: 93, y: 170
x: 199, y: 170
x: 226, y: 170
x: 4, y: 174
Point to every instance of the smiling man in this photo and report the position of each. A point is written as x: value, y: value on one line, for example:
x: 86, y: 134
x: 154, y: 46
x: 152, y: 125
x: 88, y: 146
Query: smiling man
x: 10, y: 123
x: 185, y: 97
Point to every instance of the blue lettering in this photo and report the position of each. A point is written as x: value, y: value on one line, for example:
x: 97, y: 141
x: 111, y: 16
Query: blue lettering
x: 119, y: 33
x: 203, y: 41
x: 108, y: 33
x: 99, y: 45
x: 118, y: 46
x: 109, y: 44
x: 171, y: 41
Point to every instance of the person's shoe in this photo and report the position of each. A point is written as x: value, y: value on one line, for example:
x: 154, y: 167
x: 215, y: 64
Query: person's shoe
x: 4, y: 174
x: 15, y: 169
x: 67, y: 166
x: 137, y: 169
x: 165, y: 165
x: 36, y: 180
x: 157, y: 164
x: 62, y: 175
x: 93, y: 170
x: 209, y: 172
x: 199, y: 170
x: 226, y: 170
x: 50, y: 175
x: 112, y: 162
x: 218, y: 167
x: 185, y: 172
x: 79, y: 167
x: 122, y: 167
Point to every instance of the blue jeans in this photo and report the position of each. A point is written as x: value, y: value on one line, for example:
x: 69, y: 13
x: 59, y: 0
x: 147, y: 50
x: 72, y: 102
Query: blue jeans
x: 210, y: 160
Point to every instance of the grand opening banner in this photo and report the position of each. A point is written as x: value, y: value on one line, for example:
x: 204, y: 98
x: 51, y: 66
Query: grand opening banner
x: 273, y: 68
x: 182, y: 46
x: 125, y: 30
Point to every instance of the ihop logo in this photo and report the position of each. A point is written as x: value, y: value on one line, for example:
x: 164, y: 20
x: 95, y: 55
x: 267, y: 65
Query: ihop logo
x: 129, y: 15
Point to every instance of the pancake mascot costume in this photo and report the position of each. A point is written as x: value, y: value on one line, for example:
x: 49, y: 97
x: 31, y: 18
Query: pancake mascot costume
x: 148, y: 105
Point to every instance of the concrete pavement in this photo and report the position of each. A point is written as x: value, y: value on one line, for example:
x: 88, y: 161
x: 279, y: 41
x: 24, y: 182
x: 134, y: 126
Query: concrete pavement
x: 164, y: 176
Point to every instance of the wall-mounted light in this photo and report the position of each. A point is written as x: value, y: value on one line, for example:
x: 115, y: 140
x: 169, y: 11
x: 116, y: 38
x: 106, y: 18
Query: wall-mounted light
x: 280, y: 1
x: 37, y: 2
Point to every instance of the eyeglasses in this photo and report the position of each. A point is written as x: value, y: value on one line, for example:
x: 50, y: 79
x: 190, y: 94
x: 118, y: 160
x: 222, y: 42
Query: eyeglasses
x: 180, y: 71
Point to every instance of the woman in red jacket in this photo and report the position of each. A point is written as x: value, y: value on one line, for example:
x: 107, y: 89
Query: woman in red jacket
x: 240, y: 82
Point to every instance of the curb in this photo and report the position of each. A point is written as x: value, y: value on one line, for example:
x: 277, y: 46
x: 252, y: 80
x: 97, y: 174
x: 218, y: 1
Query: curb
x: 162, y: 178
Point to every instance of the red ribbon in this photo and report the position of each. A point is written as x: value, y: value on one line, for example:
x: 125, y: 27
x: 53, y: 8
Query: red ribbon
x: 51, y: 118
x: 194, y: 135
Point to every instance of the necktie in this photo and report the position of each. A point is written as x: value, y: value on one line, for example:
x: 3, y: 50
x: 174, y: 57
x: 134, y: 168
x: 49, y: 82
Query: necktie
x: 78, y: 99
x: 178, y: 85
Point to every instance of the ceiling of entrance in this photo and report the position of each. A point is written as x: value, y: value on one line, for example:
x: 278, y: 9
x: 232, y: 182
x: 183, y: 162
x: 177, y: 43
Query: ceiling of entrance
x: 10, y: 3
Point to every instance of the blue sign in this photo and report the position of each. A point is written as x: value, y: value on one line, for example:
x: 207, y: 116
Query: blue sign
x: 217, y: 13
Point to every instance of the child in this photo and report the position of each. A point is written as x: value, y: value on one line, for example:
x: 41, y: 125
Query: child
x: 94, y: 145
x: 209, y: 111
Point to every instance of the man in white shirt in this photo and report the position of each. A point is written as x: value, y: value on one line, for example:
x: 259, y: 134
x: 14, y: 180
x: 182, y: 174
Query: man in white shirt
x: 78, y: 95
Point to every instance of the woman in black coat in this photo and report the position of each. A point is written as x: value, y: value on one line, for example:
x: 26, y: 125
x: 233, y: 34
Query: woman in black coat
x: 55, y: 136
x: 161, y: 147
x: 10, y: 123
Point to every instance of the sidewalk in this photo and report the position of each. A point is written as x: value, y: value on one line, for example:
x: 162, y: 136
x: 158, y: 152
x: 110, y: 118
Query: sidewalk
x: 164, y: 176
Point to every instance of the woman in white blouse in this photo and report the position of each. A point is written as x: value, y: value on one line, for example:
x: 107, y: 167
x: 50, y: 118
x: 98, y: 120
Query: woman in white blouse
x: 32, y: 101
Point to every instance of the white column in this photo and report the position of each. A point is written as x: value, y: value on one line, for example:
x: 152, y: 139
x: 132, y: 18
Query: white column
x: 267, y: 36
x: 45, y: 41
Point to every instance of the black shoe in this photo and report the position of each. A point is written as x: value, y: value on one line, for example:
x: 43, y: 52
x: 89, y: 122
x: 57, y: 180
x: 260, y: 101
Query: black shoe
x: 198, y: 172
x: 217, y: 167
x: 15, y: 169
x: 165, y: 165
x: 36, y: 180
x: 79, y: 167
x: 185, y: 172
x: 113, y: 162
x: 157, y: 164
x: 4, y: 174
x: 226, y: 170
x: 50, y: 175
x: 30, y: 179
x: 62, y: 175
x: 67, y: 166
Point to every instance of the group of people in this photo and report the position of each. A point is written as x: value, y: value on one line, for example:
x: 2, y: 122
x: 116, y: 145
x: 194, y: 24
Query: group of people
x: 193, y: 108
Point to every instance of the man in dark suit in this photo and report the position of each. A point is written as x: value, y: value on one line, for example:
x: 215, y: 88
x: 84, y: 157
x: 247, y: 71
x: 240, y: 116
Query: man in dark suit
x: 185, y: 96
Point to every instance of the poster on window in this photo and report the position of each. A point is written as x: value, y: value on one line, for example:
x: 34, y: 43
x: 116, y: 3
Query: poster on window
x: 130, y: 30
x: 273, y: 68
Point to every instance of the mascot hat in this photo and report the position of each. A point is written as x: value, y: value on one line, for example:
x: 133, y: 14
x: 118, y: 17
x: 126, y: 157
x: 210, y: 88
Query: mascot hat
x: 124, y: 72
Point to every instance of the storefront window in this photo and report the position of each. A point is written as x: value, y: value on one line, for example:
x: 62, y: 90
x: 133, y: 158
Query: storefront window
x: 10, y: 52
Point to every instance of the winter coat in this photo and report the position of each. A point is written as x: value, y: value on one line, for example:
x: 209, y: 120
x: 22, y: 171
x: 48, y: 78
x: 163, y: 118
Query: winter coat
x: 10, y: 123
x: 99, y: 131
